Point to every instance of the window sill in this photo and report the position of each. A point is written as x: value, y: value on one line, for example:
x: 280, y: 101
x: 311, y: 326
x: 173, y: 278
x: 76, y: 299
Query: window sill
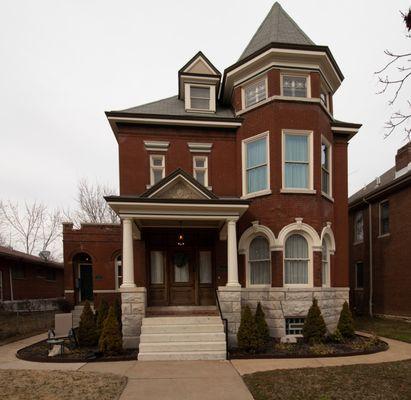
x: 298, y: 286
x: 358, y: 242
x: 359, y: 288
x: 266, y: 286
x: 256, y: 194
x: 295, y: 98
x: 383, y: 236
x: 327, y: 196
x: 298, y: 191
x: 199, y: 110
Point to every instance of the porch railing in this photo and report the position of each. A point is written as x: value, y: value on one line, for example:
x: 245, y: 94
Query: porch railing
x: 225, y: 321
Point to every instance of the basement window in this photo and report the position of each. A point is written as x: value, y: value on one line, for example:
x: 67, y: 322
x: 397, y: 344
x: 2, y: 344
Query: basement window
x: 294, y: 326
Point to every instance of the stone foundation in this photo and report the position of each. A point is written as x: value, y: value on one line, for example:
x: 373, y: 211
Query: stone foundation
x: 133, y: 308
x: 278, y: 304
x: 30, y: 305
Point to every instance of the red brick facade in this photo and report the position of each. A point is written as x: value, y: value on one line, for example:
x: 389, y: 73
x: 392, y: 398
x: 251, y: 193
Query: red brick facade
x: 390, y: 261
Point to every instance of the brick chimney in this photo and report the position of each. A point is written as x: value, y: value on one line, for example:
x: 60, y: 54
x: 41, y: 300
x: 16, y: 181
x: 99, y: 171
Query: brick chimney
x: 403, y: 157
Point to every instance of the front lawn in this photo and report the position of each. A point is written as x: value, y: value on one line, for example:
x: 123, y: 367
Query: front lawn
x: 385, y: 327
x: 366, y: 382
x: 59, y: 385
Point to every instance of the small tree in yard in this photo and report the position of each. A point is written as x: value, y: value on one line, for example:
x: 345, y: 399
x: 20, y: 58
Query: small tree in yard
x: 263, y: 333
x: 87, y: 331
x: 314, y: 329
x: 346, y: 322
x: 110, y: 342
x: 117, y: 311
x: 101, y: 315
x: 247, y: 332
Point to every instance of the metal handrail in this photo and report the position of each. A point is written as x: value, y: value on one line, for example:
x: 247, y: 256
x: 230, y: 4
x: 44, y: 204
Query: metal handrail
x: 225, y: 321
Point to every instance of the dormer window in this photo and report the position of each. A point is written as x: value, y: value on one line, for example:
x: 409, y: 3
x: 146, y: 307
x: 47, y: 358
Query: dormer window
x: 200, y: 98
x: 254, y: 93
x: 295, y: 85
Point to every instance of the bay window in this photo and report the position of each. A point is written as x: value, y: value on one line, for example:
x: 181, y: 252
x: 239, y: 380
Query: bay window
x: 256, y: 174
x: 326, y: 167
x: 254, y: 93
x: 325, y: 262
x: 259, y: 259
x: 295, y: 86
x: 296, y: 260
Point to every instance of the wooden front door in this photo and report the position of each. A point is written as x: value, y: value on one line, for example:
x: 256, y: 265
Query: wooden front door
x: 181, y: 277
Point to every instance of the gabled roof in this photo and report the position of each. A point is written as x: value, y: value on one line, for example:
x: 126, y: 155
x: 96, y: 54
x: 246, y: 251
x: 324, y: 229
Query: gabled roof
x: 179, y: 174
x: 199, y: 59
x: 277, y: 27
x: 173, y: 106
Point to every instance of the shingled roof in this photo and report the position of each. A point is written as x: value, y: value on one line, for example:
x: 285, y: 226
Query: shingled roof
x: 175, y: 107
x: 277, y: 27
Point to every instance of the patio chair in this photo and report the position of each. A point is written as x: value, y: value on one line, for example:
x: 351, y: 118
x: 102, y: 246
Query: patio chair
x: 63, y: 328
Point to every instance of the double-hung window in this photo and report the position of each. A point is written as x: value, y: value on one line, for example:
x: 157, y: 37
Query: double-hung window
x: 256, y: 164
x: 157, y: 168
x: 297, y: 157
x: 325, y: 261
x: 200, y: 97
x: 118, y: 271
x: 296, y: 261
x: 358, y: 227
x: 294, y: 86
x: 200, y: 169
x: 384, y: 218
x: 326, y: 167
x: 255, y: 92
x: 259, y: 259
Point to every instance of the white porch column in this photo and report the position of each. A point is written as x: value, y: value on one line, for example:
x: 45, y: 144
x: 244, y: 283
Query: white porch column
x: 128, y: 256
x: 232, y: 265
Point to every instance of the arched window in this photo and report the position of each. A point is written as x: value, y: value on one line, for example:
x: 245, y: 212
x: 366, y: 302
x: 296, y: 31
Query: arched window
x: 325, y: 261
x: 296, y: 260
x: 259, y: 259
x: 118, y: 270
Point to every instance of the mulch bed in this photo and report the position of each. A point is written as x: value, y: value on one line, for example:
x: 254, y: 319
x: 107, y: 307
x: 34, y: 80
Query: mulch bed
x: 356, y: 346
x: 39, y: 352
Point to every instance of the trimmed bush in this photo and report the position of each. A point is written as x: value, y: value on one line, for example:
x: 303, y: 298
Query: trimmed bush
x: 117, y: 311
x: 314, y: 329
x: 87, y: 331
x: 247, y: 339
x: 101, y: 315
x: 263, y: 333
x: 110, y: 342
x: 346, y: 322
x: 336, y: 337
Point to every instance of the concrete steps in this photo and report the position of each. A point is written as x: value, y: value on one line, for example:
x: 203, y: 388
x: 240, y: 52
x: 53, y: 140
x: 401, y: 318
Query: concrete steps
x: 182, y: 338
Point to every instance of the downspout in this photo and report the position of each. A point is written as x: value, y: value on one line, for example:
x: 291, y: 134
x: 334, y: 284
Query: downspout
x: 370, y: 257
x: 11, y: 285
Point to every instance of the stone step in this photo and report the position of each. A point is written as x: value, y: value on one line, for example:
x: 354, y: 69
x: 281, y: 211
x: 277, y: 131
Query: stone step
x: 180, y: 356
x: 181, y: 320
x: 180, y: 328
x: 182, y: 347
x: 182, y: 337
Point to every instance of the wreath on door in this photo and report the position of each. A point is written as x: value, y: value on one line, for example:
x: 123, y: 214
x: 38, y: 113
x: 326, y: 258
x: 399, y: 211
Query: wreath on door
x: 180, y: 259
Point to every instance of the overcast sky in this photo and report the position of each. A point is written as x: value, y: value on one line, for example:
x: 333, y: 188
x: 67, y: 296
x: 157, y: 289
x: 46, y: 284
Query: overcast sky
x: 65, y: 62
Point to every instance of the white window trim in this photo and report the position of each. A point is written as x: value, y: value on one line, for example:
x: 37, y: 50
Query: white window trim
x: 253, y: 82
x: 116, y: 263
x: 310, y: 272
x: 380, y: 234
x: 247, y: 260
x: 325, y: 141
x: 356, y: 275
x: 244, y: 143
x: 356, y: 240
x: 310, y: 134
x: 297, y: 74
x: 155, y: 167
x: 205, y: 168
x: 187, y: 98
x: 328, y: 260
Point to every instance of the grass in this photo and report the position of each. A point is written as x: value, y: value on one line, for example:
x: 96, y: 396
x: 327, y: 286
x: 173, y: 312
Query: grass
x: 385, y: 327
x: 16, y: 326
x: 59, y: 385
x: 366, y: 382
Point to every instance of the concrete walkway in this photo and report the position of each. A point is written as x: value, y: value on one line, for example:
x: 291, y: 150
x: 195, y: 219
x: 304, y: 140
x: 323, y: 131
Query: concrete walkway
x: 186, y: 380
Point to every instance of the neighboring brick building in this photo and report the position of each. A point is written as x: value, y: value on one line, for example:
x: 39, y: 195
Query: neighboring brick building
x: 26, y: 277
x: 387, y: 202
x: 238, y: 185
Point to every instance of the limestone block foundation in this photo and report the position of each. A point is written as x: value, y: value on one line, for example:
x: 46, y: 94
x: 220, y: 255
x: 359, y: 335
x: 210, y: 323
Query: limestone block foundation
x: 133, y: 308
x: 278, y: 304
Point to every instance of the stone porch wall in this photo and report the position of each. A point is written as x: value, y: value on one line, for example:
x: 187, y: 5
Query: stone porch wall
x: 278, y: 304
x: 133, y: 308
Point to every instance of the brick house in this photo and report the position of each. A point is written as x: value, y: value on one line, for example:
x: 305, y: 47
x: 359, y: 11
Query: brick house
x: 235, y: 187
x: 27, y: 277
x: 380, y: 242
